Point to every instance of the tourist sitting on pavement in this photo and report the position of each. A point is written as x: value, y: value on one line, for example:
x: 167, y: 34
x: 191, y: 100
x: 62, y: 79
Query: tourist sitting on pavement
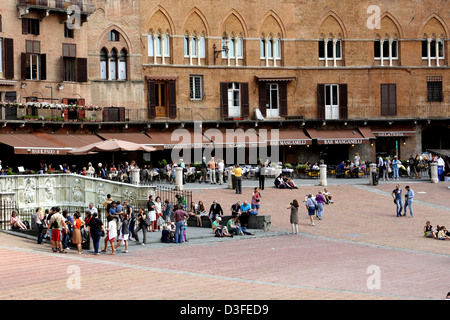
x: 279, y: 182
x: 428, y: 230
x: 234, y: 227
x: 15, y: 222
x: 289, y: 183
x: 171, y: 228
x: 165, y: 235
x: 442, y: 234
x: 220, y: 230
x: 328, y: 196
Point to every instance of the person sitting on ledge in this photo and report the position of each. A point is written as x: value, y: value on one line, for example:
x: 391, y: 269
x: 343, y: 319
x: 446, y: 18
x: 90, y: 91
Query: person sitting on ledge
x: 279, y: 182
x: 220, y: 230
x: 16, y: 223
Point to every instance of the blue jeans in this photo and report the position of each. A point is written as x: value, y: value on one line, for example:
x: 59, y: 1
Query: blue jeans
x: 179, y: 231
x: 399, y: 204
x: 408, y: 203
x: 319, y: 210
x: 96, y: 240
x: 395, y: 170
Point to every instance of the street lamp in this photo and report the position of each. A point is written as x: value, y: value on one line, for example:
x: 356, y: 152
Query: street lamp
x: 224, y: 49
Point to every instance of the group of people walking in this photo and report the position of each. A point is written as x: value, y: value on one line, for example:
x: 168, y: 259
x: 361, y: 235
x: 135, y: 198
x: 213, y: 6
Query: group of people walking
x: 398, y: 200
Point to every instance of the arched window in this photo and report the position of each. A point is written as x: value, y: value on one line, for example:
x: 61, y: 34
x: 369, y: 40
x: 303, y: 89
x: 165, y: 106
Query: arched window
x: 104, y: 64
x: 123, y: 65
x: 113, y: 65
x: 113, y: 35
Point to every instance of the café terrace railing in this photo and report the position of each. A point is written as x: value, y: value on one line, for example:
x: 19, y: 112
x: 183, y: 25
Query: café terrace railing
x: 59, y: 5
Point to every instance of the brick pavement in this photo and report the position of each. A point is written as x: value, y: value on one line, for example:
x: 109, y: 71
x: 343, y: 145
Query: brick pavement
x: 327, y: 261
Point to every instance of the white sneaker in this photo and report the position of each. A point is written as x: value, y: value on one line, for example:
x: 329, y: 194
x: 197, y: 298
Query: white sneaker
x: 312, y: 224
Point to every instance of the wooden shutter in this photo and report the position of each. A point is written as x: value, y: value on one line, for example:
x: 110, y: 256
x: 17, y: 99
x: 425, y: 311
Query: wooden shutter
x: 23, y: 66
x: 389, y: 99
x: 122, y: 114
x: 172, y: 99
x: 321, y: 101
x: 245, y: 100
x: 62, y: 69
x: 24, y: 26
x: 151, y: 99
x: 105, y: 114
x: 392, y: 99
x: 43, y: 67
x: 262, y: 98
x: 343, y: 101
x: 9, y: 58
x: 81, y: 65
x: 224, y: 99
x: 65, y: 101
x: 81, y: 102
x: 81, y: 114
x: 1, y: 23
x: 283, y: 99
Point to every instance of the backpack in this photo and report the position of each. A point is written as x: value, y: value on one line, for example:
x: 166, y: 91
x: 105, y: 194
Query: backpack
x: 56, y: 224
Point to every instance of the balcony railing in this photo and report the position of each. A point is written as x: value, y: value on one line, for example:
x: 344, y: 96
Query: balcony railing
x: 60, y: 5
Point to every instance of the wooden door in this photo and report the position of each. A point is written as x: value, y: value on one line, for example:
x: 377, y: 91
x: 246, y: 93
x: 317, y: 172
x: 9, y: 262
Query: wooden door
x: 161, y: 93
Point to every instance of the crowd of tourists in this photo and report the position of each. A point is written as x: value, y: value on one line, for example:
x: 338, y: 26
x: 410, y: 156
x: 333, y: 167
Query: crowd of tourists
x: 438, y: 233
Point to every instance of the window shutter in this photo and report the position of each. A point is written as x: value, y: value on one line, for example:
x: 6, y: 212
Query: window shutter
x: 122, y: 114
x: 262, y: 98
x: 105, y: 114
x: 1, y: 23
x: 43, y: 67
x: 384, y: 99
x: 343, y: 101
x: 151, y: 100
x: 23, y: 65
x: 392, y: 99
x: 65, y: 101
x: 172, y: 99
x: 81, y: 65
x: 321, y: 101
x: 81, y: 113
x: 24, y: 26
x: 65, y: 50
x: 81, y: 102
x: 9, y: 58
x: 38, y: 25
x: 62, y: 69
x: 245, y: 100
x: 283, y: 99
x: 224, y: 99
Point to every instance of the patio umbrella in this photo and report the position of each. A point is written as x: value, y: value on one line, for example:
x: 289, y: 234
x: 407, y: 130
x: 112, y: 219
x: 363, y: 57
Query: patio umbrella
x: 111, y: 145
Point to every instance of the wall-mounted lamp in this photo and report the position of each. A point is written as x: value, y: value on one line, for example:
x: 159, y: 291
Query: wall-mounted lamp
x: 23, y: 85
x: 224, y: 49
x: 60, y: 86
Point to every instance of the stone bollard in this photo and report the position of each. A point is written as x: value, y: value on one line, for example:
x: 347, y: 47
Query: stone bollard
x: 230, y: 178
x: 434, y: 172
x: 179, y: 178
x: 323, y: 175
x: 373, y: 169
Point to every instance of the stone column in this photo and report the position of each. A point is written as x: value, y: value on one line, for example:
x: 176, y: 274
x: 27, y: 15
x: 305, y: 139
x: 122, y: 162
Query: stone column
x: 135, y: 177
x: 179, y: 178
x: 434, y: 173
x: 230, y: 178
x: 373, y: 168
x: 323, y: 175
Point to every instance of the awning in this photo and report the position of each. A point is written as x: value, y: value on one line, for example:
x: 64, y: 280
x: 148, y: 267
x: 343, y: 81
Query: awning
x: 366, y: 132
x: 135, y: 137
x: 7, y: 83
x: 287, y: 137
x: 440, y: 152
x: 276, y: 79
x: 234, y: 138
x: 394, y: 132
x: 177, y: 139
x: 337, y: 136
x: 44, y: 143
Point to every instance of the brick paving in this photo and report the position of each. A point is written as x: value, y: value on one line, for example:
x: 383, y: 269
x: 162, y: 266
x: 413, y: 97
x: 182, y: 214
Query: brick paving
x: 331, y: 260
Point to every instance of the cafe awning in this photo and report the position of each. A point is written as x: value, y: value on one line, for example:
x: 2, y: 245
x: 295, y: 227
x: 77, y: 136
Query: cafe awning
x: 337, y: 136
x: 276, y: 79
x: 46, y: 144
x: 394, y: 132
x: 287, y: 137
x: 135, y: 137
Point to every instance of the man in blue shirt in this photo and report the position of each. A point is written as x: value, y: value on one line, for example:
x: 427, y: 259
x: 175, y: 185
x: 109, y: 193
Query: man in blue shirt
x: 409, y: 197
x: 397, y: 195
x: 245, y: 207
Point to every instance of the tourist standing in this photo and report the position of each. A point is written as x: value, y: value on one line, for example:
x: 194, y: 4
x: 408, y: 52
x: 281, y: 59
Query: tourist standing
x: 96, y: 231
x: 397, y: 195
x: 256, y: 201
x: 212, y: 170
x: 293, y: 219
x: 261, y: 176
x: 320, y: 200
x: 396, y: 167
x: 204, y: 170
x: 409, y: 200
x: 311, y: 207
x: 220, y: 171
x: 57, y: 222
x: 40, y: 221
x: 238, y: 178
x: 142, y: 225
x: 124, y: 232
x: 76, y: 238
x: 179, y: 216
x: 151, y: 207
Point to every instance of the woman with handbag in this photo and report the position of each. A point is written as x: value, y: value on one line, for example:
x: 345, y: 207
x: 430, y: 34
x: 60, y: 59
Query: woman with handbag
x: 256, y: 201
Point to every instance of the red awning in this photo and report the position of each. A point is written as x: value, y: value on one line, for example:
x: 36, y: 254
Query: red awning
x: 287, y: 137
x: 337, y: 136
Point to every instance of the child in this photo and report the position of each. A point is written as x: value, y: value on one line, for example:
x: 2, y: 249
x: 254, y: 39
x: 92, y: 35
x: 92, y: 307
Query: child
x: 165, y: 235
x: 183, y: 230
x: 111, y: 234
x: 167, y: 210
x: 124, y: 233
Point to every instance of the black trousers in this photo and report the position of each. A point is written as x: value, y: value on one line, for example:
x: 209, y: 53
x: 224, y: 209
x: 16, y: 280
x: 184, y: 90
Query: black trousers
x: 261, y: 182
